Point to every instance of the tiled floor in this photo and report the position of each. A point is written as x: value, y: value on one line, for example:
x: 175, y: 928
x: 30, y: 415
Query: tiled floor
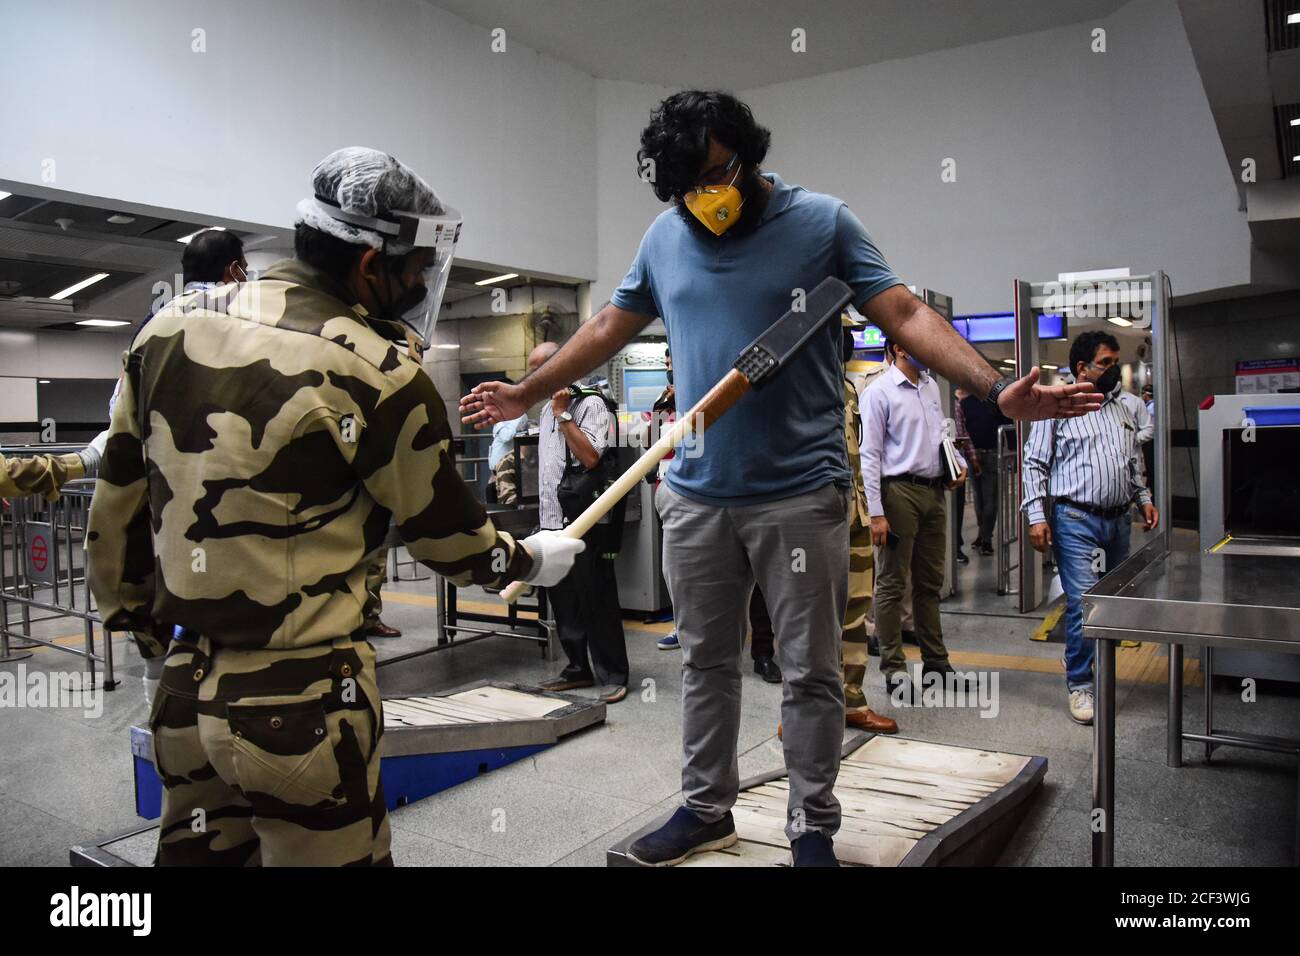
x: 65, y: 778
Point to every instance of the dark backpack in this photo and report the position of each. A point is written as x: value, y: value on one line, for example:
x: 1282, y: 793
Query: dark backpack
x: 580, y: 486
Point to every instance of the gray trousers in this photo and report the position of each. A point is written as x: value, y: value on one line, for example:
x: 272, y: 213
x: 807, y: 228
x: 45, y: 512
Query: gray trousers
x: 798, y: 551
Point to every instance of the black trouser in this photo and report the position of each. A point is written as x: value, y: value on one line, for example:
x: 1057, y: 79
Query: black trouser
x: 959, y: 504
x: 589, y: 618
x: 985, y: 488
x: 762, y: 643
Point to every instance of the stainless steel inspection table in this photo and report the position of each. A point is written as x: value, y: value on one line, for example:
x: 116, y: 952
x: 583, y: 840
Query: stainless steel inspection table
x: 1247, y: 601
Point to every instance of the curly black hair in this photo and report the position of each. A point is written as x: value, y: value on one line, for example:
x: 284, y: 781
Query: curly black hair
x: 677, y: 139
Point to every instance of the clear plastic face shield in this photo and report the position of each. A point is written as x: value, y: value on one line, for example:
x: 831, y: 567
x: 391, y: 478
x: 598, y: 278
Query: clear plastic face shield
x: 418, y: 305
x: 437, y: 236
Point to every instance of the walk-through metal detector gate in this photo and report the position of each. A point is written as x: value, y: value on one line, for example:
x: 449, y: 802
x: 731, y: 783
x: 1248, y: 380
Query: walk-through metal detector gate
x: 943, y: 305
x: 1125, y: 302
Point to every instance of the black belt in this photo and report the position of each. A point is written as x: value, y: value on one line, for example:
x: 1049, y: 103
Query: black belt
x: 917, y: 480
x: 1093, y: 510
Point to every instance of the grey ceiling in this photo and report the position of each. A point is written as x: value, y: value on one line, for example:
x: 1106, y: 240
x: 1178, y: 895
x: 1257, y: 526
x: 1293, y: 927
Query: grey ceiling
x: 39, y: 256
x: 741, y: 44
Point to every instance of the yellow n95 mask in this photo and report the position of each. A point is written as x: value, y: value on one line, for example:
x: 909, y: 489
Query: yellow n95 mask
x: 717, y: 207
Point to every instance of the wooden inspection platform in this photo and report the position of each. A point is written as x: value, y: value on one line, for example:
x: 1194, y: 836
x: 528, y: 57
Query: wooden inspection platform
x: 491, y: 716
x: 903, y: 803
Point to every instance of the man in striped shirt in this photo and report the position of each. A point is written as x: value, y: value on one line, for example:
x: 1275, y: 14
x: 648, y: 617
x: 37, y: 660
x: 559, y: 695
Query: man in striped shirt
x: 1089, y: 470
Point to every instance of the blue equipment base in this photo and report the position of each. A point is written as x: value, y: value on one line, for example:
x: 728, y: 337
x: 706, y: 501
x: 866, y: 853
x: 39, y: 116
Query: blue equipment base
x: 405, y: 779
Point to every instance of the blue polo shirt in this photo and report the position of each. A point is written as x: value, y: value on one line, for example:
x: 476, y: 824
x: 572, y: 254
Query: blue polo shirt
x: 715, y: 296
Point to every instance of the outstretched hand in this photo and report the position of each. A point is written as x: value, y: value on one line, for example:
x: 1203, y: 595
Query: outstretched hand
x: 492, y: 402
x: 1028, y: 401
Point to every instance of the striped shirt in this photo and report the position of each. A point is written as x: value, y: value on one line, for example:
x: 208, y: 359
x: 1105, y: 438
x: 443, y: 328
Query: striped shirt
x: 590, y: 415
x: 1146, y: 426
x: 1091, y: 459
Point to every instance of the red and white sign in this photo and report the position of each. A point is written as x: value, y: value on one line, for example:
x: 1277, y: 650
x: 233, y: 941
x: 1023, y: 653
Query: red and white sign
x: 40, y: 553
x: 1265, y: 376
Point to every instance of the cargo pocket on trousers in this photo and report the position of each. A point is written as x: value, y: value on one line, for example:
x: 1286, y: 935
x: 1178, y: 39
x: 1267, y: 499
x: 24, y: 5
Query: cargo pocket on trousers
x: 156, y: 713
x: 283, y: 752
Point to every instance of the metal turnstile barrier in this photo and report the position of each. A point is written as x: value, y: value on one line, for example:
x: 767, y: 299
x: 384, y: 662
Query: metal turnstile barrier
x: 396, y: 561
x: 469, y: 450
x: 527, y: 621
x: 1008, y: 509
x: 474, y: 476
x: 43, y: 572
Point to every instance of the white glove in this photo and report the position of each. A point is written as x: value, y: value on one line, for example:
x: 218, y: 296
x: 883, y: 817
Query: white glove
x: 553, y: 553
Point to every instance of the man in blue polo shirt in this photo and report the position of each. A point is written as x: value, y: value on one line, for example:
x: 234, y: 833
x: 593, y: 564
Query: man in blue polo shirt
x: 765, y: 496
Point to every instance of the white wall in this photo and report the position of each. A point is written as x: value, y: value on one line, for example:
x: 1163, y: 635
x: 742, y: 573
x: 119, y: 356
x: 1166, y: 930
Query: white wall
x: 26, y: 354
x: 1066, y: 160
x: 113, y: 93
x: 625, y: 204
x: 17, y: 399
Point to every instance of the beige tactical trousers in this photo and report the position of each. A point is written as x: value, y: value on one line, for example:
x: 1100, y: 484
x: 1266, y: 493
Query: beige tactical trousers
x: 270, y: 757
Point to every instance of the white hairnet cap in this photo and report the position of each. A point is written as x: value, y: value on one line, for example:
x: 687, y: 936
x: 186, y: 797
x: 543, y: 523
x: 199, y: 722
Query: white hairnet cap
x: 365, y: 182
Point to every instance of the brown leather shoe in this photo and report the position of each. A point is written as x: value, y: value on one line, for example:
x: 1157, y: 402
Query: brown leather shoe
x: 780, y: 735
x: 870, y: 720
x: 380, y: 629
x: 566, y: 683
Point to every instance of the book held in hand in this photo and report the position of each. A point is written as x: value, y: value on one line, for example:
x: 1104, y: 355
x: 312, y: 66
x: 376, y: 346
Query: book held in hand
x: 951, y: 463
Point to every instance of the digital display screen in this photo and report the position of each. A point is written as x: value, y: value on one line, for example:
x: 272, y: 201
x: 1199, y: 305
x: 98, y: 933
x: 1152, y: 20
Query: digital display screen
x: 868, y: 337
x: 526, y: 469
x: 1001, y: 327
x: 641, y: 386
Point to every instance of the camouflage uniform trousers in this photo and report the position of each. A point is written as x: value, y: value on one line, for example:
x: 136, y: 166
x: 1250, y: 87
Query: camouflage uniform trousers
x: 854, y: 636
x: 504, y: 480
x: 376, y: 578
x: 270, y: 757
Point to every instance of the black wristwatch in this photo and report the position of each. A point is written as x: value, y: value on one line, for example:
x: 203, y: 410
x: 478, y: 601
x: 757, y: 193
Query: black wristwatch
x: 998, y: 387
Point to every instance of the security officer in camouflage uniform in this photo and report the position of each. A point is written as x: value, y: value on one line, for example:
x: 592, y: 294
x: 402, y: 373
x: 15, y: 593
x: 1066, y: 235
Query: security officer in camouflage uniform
x: 505, y: 479
x: 266, y: 436
x: 44, y: 475
x: 853, y: 638
x: 376, y: 578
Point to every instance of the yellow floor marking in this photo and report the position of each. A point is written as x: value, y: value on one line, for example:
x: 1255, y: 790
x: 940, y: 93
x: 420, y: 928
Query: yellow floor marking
x: 66, y: 640
x: 1044, y: 630
x: 1139, y: 664
x: 477, y: 607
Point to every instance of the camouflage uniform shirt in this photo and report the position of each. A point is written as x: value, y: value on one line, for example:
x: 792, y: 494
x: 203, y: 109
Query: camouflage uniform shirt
x: 264, y: 437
